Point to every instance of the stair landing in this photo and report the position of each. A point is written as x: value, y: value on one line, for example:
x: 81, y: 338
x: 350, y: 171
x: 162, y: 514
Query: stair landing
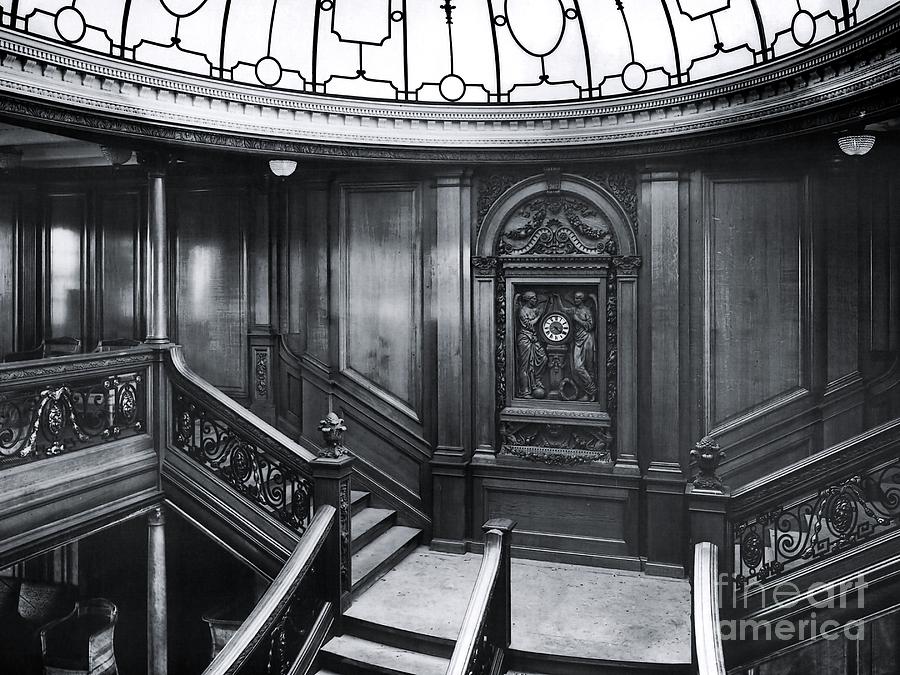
x: 558, y: 610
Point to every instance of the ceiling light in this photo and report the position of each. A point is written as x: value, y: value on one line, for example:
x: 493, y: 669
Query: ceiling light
x: 282, y: 167
x: 117, y: 156
x: 857, y: 144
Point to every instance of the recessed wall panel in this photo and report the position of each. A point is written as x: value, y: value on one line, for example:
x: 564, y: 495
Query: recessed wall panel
x: 756, y: 294
x: 381, y: 322
x: 210, y: 299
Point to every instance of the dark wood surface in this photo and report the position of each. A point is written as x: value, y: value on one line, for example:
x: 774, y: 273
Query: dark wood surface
x: 211, y: 288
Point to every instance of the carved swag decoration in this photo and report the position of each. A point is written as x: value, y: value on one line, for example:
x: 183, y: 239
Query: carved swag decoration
x: 37, y: 423
x: 557, y: 224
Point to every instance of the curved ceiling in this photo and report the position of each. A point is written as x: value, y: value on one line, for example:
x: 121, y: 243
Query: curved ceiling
x: 485, y: 52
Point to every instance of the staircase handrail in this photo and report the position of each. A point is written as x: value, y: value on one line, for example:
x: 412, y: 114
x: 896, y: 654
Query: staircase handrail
x: 284, y: 447
x: 487, y: 619
x: 706, y: 601
x: 809, y: 474
x: 276, y: 600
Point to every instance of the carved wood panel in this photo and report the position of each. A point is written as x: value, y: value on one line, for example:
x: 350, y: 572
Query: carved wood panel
x: 758, y: 294
x: 211, y: 293
x: 381, y: 298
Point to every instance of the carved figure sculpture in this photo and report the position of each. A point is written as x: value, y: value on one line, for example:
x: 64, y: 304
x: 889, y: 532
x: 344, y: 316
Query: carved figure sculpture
x: 530, y: 351
x: 583, y: 349
x: 583, y: 352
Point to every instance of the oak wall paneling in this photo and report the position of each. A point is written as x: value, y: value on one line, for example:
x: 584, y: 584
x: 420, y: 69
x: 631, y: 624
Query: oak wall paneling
x: 208, y: 226
x: 762, y: 363
x: 838, y: 206
x: 379, y: 252
x: 66, y: 265
x: 121, y: 225
x: 9, y: 270
x: 380, y: 334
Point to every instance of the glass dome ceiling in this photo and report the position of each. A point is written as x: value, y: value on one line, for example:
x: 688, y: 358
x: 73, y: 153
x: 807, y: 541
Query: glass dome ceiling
x: 486, y: 52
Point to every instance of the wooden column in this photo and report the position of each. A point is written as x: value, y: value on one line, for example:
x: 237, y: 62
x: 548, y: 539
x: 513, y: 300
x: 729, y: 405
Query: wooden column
x: 451, y: 263
x: 664, y: 480
x: 157, y: 640
x: 157, y: 253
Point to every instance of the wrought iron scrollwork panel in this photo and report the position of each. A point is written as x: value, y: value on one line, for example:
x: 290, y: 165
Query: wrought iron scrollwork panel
x: 38, y: 422
x: 242, y: 463
x: 837, y: 518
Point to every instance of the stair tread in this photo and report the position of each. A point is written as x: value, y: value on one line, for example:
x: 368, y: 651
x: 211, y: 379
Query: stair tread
x: 390, y: 659
x: 368, y: 519
x: 357, y: 495
x: 382, y: 547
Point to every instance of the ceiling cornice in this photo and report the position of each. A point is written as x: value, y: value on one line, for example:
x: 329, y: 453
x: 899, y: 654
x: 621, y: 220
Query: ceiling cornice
x: 63, y: 87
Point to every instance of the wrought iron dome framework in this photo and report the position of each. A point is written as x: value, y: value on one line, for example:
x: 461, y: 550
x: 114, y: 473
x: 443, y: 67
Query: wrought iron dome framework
x: 483, y: 52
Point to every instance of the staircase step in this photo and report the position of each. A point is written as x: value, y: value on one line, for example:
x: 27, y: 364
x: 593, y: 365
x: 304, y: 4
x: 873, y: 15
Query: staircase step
x: 385, y: 551
x: 372, y: 657
x: 358, y: 501
x: 366, y: 525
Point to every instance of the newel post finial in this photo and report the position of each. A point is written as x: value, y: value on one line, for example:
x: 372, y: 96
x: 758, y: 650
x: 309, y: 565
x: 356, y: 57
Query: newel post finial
x: 332, y: 428
x: 708, y: 454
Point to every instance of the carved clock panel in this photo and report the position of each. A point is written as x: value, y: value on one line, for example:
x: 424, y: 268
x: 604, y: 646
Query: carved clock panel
x: 561, y: 256
x: 560, y: 343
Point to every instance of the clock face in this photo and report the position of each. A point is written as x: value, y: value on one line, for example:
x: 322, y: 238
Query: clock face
x: 556, y: 328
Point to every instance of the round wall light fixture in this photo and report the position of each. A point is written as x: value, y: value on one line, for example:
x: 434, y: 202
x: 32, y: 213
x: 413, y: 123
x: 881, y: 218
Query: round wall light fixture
x: 856, y: 145
x: 282, y: 167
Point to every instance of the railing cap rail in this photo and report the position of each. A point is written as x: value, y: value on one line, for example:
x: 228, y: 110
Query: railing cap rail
x: 707, y: 633
x: 177, y: 361
x: 246, y: 639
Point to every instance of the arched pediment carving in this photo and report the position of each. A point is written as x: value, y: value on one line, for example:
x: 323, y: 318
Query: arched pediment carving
x: 557, y: 224
x: 563, y: 215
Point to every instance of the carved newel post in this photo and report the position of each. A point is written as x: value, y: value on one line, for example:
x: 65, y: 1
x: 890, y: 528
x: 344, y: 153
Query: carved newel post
x: 331, y: 474
x: 708, y: 499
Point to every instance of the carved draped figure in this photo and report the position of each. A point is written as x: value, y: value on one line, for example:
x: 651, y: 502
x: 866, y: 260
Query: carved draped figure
x: 530, y: 352
x: 583, y: 351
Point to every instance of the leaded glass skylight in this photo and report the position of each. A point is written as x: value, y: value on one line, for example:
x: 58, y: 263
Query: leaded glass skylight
x: 447, y: 51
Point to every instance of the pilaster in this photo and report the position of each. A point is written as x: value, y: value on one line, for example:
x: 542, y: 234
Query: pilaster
x: 452, y: 313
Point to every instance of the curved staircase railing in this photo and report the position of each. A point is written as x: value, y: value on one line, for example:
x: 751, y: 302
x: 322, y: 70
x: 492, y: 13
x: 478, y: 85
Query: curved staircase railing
x: 241, y: 449
x: 486, y: 628
x: 707, y: 634
x: 289, y: 623
x: 822, y: 506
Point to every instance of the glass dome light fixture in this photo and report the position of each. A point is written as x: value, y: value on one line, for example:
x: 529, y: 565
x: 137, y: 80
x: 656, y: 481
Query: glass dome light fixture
x: 856, y: 145
x: 282, y: 167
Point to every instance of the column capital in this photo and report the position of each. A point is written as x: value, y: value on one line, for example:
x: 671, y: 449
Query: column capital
x: 156, y: 516
x: 453, y: 177
x: 156, y: 162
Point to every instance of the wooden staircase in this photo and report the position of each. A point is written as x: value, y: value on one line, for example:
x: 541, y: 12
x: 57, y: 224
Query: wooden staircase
x: 378, y: 544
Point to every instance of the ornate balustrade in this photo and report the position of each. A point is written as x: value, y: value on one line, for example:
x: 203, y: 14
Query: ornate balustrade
x: 485, y: 633
x: 71, y: 403
x: 824, y: 505
x: 254, y: 458
x: 286, y: 628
